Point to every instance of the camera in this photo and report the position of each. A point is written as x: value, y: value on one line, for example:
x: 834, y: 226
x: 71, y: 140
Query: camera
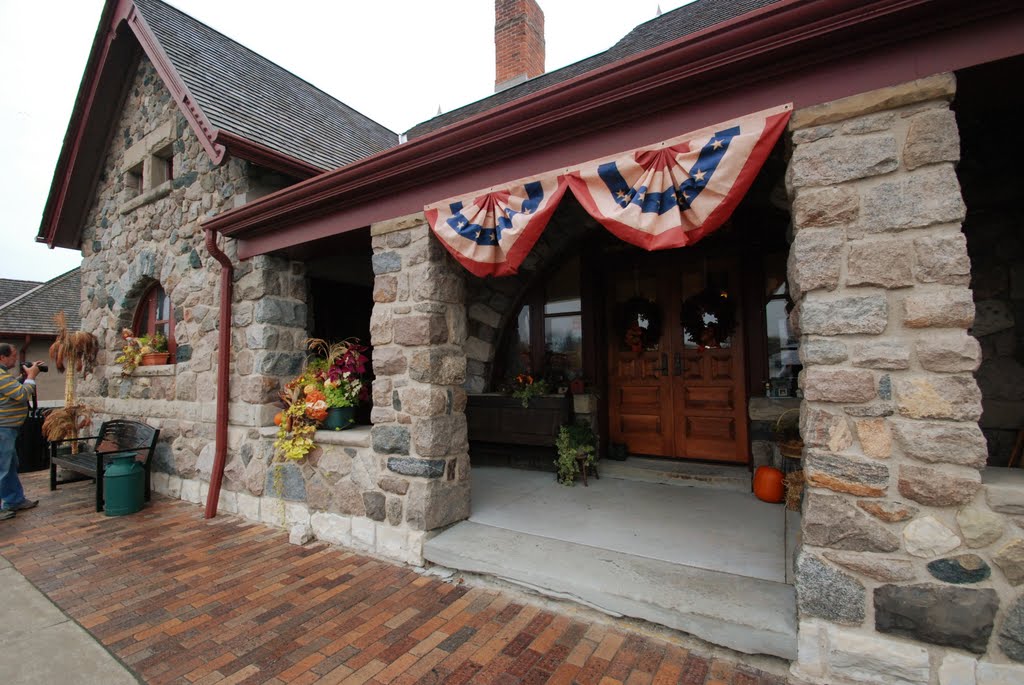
x: 42, y: 367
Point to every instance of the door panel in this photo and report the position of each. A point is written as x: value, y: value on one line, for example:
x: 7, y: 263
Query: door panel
x: 675, y: 398
x: 697, y: 398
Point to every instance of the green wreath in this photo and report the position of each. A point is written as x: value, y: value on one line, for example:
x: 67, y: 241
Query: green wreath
x: 632, y: 311
x: 713, y: 302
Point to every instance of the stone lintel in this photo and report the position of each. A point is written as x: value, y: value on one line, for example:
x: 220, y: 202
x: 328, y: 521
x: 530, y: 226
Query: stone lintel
x: 159, y: 137
x: 397, y: 224
x: 936, y: 87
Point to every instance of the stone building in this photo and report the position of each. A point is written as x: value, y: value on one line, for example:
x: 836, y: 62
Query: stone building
x: 27, y: 309
x: 872, y: 257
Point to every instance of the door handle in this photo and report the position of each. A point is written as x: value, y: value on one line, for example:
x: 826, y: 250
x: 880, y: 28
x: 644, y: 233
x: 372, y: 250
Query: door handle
x: 679, y: 363
x: 664, y: 363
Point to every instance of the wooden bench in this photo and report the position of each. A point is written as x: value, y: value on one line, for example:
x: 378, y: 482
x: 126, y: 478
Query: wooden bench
x: 119, y: 436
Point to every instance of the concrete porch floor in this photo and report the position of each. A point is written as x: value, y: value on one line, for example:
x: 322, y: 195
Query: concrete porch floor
x: 709, y: 562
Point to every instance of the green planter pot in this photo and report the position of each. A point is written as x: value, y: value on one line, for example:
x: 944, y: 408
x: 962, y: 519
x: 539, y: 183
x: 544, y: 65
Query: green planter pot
x: 340, y: 418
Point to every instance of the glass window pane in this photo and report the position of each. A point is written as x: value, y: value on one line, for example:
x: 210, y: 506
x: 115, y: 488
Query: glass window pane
x: 775, y: 275
x: 517, y: 359
x: 563, y: 289
x: 145, y: 315
x: 783, y: 355
x: 563, y: 342
x: 161, y: 304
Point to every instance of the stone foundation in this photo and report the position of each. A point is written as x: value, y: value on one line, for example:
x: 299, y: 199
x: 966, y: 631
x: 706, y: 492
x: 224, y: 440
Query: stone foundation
x: 331, y: 493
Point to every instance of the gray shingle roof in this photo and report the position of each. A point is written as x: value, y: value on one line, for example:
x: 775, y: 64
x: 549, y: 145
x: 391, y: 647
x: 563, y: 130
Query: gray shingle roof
x: 670, y: 26
x: 11, y: 288
x: 246, y: 94
x: 33, y: 311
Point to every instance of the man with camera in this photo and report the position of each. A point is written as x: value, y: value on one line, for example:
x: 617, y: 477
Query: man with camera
x: 14, y: 399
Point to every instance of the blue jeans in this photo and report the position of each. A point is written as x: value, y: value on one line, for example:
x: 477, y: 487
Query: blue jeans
x: 10, y: 487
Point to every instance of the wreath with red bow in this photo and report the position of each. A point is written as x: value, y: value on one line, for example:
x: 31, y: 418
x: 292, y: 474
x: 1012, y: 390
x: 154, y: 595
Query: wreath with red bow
x: 635, y: 335
x: 709, y: 317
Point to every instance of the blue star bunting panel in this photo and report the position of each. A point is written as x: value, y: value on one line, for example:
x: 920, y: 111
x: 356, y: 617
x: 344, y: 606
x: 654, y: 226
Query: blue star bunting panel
x: 664, y: 196
x: 675, y: 193
x: 492, y: 233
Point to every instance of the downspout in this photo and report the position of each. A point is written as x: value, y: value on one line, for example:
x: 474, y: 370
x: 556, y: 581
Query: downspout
x: 223, y: 368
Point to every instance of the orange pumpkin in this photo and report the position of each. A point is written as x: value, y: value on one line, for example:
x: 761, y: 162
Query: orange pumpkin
x: 768, y: 486
x: 278, y: 418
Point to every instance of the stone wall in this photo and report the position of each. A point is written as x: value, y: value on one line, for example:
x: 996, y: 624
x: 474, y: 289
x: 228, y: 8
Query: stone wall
x: 375, y: 490
x: 418, y: 331
x: 908, y: 572
x: 143, y: 230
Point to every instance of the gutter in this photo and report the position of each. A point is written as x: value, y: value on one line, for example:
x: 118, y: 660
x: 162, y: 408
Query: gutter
x: 760, y: 49
x: 223, y: 376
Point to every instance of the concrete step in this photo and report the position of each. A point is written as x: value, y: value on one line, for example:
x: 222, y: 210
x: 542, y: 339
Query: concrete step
x: 745, y: 614
x: 670, y: 472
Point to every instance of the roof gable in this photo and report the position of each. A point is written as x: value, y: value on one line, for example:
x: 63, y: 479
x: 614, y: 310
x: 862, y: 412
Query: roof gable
x: 223, y: 90
x: 32, y: 312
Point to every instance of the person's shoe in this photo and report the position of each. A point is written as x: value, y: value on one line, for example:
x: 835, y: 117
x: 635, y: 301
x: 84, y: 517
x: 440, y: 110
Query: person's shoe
x: 6, y: 514
x: 27, y: 504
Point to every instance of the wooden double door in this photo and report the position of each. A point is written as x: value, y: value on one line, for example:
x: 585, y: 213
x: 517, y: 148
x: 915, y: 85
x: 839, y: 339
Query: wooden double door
x: 670, y: 395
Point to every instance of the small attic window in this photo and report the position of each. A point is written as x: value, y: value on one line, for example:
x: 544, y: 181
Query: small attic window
x: 133, y: 180
x: 162, y: 166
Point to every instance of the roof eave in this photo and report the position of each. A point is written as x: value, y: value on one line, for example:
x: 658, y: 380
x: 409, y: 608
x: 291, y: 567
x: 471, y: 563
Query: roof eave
x: 761, y: 44
x: 264, y: 156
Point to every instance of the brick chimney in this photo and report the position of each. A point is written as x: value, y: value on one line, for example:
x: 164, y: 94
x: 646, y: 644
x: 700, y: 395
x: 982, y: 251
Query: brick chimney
x: 518, y: 42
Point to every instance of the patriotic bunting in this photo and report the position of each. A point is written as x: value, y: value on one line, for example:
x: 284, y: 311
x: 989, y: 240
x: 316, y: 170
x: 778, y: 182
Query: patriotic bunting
x: 679, y: 191
x: 492, y: 233
x: 665, y: 196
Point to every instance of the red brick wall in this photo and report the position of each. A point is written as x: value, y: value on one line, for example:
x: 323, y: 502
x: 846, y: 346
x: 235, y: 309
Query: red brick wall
x: 518, y: 40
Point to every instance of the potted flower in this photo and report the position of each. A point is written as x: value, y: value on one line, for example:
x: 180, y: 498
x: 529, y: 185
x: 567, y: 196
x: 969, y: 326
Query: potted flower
x: 525, y: 387
x: 305, y: 407
x: 153, y: 349
x: 577, y: 447
x: 343, y: 385
x: 327, y: 391
x: 145, y: 350
x: 131, y: 352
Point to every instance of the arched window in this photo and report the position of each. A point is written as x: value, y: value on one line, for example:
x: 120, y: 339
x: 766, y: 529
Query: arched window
x: 156, y: 314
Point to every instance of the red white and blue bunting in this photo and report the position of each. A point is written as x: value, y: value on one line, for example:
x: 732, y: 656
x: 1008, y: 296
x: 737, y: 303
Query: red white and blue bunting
x: 492, y: 233
x: 664, y: 196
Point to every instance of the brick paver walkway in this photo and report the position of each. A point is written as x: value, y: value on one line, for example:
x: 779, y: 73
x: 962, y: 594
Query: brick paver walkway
x: 183, y: 600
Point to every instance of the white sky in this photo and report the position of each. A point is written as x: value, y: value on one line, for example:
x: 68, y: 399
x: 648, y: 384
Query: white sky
x: 395, y: 61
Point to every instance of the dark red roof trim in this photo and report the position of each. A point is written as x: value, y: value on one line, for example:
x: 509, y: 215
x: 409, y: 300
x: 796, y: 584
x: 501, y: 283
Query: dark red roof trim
x: 179, y: 91
x: 807, y: 51
x: 264, y: 156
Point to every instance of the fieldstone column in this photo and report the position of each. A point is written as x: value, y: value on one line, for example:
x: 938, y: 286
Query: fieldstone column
x: 418, y: 330
x: 888, y: 578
